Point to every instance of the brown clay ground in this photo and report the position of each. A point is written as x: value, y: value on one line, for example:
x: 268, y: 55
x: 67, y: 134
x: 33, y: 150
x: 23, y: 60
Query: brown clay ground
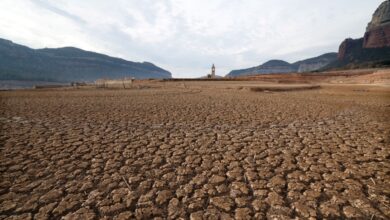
x: 193, y: 150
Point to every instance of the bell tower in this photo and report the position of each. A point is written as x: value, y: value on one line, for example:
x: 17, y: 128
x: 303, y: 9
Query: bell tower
x: 213, y: 71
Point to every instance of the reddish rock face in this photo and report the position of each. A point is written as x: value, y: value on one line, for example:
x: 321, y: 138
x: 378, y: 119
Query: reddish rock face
x: 378, y: 30
x: 348, y: 46
x: 377, y: 37
x: 342, y: 49
x: 376, y: 41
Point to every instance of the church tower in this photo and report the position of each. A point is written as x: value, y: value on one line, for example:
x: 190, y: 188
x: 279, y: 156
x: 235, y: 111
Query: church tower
x: 213, y: 71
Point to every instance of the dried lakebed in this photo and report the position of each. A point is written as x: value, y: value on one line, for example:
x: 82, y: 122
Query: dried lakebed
x: 169, y: 153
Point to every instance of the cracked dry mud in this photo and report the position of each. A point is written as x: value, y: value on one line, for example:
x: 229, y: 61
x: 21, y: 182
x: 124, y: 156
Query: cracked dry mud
x: 171, y: 153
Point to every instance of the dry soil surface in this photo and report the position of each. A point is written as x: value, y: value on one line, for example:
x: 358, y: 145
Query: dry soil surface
x: 195, y: 151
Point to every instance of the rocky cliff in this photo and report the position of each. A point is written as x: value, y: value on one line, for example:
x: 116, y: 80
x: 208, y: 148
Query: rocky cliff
x: 349, y: 47
x: 352, y: 54
x: 68, y: 64
x: 378, y: 30
x: 371, y: 50
x: 381, y: 16
x: 377, y: 37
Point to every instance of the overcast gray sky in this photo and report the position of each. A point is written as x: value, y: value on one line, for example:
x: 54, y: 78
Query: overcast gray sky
x: 187, y: 36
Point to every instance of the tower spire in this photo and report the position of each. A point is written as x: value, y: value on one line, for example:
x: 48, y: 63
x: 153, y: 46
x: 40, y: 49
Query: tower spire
x: 213, y: 71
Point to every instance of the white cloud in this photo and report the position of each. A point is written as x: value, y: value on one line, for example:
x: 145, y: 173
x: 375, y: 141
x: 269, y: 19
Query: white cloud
x: 186, y: 36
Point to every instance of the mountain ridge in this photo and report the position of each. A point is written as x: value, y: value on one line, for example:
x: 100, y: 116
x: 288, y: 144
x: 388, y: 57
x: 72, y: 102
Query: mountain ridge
x: 67, y: 64
x: 281, y: 66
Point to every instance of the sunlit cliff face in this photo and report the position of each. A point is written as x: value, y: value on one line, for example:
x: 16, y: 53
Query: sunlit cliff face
x: 381, y: 16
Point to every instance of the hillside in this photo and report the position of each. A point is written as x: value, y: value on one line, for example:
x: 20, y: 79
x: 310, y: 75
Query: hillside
x: 316, y: 63
x: 280, y: 66
x: 18, y: 62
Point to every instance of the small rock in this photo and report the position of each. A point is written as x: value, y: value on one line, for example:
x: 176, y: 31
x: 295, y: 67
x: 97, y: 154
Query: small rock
x: 163, y: 196
x: 241, y: 202
x: 276, y: 182
x: 259, y: 205
x: 7, y: 206
x: 352, y: 212
x: 240, y: 186
x: 83, y: 213
x: 174, y: 209
x: 45, y: 211
x: 304, y: 211
x: 25, y: 216
x: 196, y: 215
x: 51, y: 196
x: 124, y: 216
x: 329, y: 210
x: 215, y: 179
x: 147, y: 212
x: 224, y: 203
x: 274, y: 199
x: 243, y: 214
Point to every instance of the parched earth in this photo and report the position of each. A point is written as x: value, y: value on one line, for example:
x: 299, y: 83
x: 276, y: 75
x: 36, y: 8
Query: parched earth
x: 195, y: 153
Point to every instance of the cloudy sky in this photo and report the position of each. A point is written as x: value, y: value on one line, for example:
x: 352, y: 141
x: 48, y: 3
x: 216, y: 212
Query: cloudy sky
x: 187, y: 36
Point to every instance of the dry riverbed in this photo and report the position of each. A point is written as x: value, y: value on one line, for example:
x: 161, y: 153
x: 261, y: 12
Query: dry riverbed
x: 193, y: 150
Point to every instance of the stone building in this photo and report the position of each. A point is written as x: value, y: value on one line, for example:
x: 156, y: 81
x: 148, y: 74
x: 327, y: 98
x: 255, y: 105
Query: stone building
x: 213, y: 71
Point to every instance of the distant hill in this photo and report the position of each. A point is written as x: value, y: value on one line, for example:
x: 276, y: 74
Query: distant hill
x: 272, y: 66
x: 316, y: 63
x: 280, y: 66
x: 68, y: 64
